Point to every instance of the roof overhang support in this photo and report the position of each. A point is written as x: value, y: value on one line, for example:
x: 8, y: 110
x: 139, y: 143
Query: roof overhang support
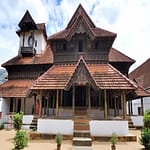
x: 123, y: 98
x: 105, y: 104
x: 142, y: 106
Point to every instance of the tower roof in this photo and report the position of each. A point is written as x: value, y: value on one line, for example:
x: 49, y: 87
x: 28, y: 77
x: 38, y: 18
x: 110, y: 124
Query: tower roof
x: 27, y: 22
x: 80, y: 18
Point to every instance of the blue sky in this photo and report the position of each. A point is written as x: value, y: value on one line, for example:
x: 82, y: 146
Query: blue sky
x: 128, y: 18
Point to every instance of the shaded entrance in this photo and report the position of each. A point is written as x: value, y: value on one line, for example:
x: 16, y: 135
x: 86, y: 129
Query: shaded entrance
x: 80, y: 96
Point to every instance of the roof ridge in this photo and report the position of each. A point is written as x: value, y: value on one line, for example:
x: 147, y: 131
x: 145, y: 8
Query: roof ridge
x: 78, y: 12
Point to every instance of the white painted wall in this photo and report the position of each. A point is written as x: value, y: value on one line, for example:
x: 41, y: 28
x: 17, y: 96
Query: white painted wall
x: 38, y: 36
x: 106, y: 128
x: 137, y: 121
x: 137, y: 103
x: 54, y: 126
x: 27, y: 120
x: 97, y: 127
x: 4, y: 108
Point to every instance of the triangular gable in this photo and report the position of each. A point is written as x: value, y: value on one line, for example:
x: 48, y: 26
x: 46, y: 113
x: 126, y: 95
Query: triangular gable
x: 94, y: 32
x: 81, y: 76
x: 27, y: 22
x: 80, y: 26
x: 80, y: 12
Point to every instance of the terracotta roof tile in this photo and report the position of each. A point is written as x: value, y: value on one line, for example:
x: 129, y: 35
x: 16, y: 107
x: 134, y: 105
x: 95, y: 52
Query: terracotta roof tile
x: 55, y: 78
x: 142, y: 74
x: 45, y: 58
x: 107, y: 77
x: 16, y: 88
x: 98, y: 32
x: 141, y: 92
x: 117, y: 56
x: 104, y: 75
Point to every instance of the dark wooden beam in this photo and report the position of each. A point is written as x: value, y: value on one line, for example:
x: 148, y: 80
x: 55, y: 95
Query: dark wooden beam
x: 105, y: 105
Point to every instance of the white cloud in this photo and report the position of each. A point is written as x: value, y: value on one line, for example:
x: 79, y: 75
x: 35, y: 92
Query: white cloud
x: 129, y: 19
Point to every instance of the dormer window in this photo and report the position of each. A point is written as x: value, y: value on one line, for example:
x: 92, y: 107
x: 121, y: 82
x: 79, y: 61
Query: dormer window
x: 80, y: 46
x: 31, y: 41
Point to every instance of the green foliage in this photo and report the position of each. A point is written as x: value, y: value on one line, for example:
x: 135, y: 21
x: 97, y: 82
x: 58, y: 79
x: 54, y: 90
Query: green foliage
x: 145, y: 138
x: 58, y: 139
x: 35, y: 129
x: 145, y: 134
x: 114, y: 138
x: 147, y: 119
x: 17, y: 120
x: 2, y: 126
x: 20, y: 140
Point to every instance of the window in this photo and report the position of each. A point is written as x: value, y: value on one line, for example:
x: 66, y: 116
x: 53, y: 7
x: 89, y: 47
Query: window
x: 80, y: 46
x: 64, y: 47
x: 31, y: 40
x: 96, y: 44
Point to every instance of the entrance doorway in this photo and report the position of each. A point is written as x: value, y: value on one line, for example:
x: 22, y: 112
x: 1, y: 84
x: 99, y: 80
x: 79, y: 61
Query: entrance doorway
x: 80, y: 96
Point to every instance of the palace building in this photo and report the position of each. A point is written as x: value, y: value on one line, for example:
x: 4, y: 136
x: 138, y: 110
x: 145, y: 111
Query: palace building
x: 74, y: 73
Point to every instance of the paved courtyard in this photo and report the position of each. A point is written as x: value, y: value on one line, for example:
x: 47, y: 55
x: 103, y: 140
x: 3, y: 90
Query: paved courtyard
x: 7, y: 136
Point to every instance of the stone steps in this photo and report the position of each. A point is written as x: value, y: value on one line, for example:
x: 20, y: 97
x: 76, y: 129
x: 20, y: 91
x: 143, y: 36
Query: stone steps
x: 130, y: 124
x: 82, y: 148
x: 81, y: 127
x: 82, y: 141
x: 81, y: 135
x: 34, y: 123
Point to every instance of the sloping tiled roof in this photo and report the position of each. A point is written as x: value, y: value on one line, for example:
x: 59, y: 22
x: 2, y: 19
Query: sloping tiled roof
x: 45, y: 58
x: 140, y: 92
x: 107, y: 77
x: 81, y: 13
x: 55, y: 78
x: 16, y: 88
x: 117, y: 56
x: 142, y: 74
x: 98, y: 32
x: 104, y: 75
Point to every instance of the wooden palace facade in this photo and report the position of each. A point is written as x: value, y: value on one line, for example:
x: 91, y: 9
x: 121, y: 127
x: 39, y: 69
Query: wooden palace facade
x: 73, y: 71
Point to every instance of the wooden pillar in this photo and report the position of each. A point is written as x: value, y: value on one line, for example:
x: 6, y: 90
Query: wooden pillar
x: 73, y: 100
x: 47, y: 107
x: 24, y: 106
x: 40, y: 103
x: 14, y: 103
x: 142, y: 106
x: 124, y: 104
x: 57, y: 103
x: 61, y: 97
x: 34, y: 107
x: 105, y: 105
x: 131, y: 108
x: 99, y: 97
x: 115, y: 106
x: 89, y: 98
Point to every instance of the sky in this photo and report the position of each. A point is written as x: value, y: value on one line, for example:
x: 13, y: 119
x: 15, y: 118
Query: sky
x: 130, y: 19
